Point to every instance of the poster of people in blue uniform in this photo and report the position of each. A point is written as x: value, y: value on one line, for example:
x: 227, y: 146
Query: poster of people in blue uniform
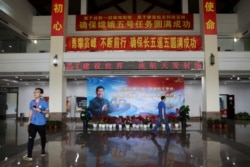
x: 133, y: 96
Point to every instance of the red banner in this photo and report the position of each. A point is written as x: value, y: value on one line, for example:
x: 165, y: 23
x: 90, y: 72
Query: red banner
x: 133, y: 43
x: 57, y: 18
x: 209, y: 22
x: 135, y: 22
x: 134, y: 65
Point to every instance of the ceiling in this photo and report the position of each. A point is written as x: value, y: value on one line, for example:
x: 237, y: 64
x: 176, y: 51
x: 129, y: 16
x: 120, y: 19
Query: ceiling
x: 43, y: 8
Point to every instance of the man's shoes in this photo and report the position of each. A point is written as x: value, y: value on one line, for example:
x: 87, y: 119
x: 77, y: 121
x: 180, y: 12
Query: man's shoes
x: 43, y: 154
x: 153, y: 134
x: 26, y: 158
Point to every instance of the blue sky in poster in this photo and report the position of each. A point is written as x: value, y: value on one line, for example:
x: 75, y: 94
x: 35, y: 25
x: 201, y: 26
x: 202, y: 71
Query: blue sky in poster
x: 126, y: 100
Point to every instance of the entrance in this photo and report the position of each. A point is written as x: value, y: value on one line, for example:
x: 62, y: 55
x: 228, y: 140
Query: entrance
x: 3, y: 105
x: 8, y: 103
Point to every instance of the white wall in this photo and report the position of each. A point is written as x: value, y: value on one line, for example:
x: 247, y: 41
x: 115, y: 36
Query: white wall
x: 193, y: 98
x: 12, y: 103
x: 243, y: 13
x: 18, y: 13
x: 42, y: 45
x: 241, y: 94
x: 228, y: 44
x: 73, y: 91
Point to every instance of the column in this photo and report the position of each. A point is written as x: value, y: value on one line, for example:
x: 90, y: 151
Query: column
x: 184, y: 6
x: 57, y: 82
x: 83, y: 6
x: 210, y: 81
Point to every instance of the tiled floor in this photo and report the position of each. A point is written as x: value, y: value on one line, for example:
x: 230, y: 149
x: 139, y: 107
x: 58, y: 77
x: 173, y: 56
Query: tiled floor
x: 129, y: 147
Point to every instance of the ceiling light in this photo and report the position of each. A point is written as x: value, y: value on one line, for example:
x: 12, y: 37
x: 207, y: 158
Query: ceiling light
x: 238, y: 78
x: 35, y: 41
x: 55, y: 60
x: 235, y: 40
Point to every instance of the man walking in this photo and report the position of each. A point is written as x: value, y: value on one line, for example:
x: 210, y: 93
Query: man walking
x: 161, y: 117
x: 37, y: 122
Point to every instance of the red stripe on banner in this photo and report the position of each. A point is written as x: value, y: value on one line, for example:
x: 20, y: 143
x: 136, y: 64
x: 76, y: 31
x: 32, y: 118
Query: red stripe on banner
x: 135, y: 22
x: 133, y: 43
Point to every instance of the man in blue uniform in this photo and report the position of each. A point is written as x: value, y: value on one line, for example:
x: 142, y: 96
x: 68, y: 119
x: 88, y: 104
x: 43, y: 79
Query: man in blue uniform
x: 161, y: 116
x: 37, y: 122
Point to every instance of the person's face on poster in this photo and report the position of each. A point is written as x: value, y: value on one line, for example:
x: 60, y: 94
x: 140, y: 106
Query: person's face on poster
x: 100, y: 93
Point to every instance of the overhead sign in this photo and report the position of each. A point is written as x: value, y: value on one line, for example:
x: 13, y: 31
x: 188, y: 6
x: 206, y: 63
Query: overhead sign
x: 134, y: 65
x: 135, y: 22
x: 57, y: 18
x: 133, y: 43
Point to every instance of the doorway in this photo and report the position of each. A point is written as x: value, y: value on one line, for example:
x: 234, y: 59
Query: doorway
x: 3, y: 105
x: 8, y: 103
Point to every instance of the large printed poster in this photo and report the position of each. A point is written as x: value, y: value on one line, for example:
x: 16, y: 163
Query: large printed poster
x: 133, y: 96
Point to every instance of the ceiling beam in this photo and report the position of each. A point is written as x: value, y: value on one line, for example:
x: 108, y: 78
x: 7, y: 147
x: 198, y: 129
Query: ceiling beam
x: 160, y: 4
x: 110, y: 4
x: 134, y: 8
x: 148, y: 9
x: 120, y: 9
